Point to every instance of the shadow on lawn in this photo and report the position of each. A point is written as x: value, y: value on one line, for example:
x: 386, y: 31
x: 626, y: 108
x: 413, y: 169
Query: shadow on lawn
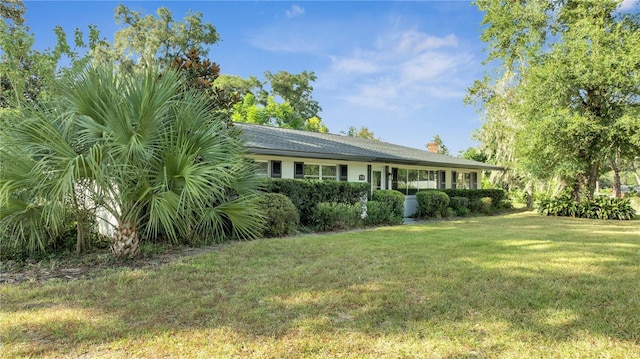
x: 549, y: 288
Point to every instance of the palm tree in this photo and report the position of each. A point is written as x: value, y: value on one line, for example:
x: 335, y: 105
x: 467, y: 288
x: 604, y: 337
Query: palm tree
x: 153, y: 157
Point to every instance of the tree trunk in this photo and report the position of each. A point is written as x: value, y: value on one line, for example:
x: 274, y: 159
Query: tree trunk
x: 528, y: 190
x: 80, y: 225
x: 81, y: 244
x: 592, y: 178
x: 616, y: 182
x: 616, y: 174
x: 576, y: 187
x: 126, y: 242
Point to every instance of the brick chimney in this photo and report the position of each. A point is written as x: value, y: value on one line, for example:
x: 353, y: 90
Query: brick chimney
x: 432, y: 147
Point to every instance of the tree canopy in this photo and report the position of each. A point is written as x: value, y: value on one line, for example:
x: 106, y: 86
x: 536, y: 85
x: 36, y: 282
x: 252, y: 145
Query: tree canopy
x: 282, y: 100
x: 564, y: 101
x: 363, y: 132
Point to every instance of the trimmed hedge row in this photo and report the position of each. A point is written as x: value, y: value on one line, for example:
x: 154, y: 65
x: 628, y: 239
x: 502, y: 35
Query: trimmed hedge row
x: 307, y: 194
x: 497, y: 195
x: 434, y: 203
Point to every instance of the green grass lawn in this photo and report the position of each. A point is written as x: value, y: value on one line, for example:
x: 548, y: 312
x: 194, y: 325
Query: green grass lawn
x: 514, y: 286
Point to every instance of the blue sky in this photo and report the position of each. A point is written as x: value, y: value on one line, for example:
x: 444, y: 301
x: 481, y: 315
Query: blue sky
x: 400, y: 68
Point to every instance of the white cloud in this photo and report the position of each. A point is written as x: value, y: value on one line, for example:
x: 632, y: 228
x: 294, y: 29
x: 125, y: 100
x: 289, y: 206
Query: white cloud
x: 402, y: 69
x: 627, y: 5
x: 294, y: 11
x: 353, y: 65
x: 429, y: 66
x: 413, y: 41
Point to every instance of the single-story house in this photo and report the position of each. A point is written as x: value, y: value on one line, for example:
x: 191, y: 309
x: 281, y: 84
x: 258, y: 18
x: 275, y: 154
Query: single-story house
x: 286, y: 153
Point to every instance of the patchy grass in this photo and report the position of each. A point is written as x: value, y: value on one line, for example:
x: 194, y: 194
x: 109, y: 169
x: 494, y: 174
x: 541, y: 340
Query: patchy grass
x: 515, y: 286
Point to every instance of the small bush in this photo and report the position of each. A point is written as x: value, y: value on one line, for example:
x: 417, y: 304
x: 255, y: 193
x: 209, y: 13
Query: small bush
x: 432, y: 204
x: 505, y: 204
x: 378, y: 213
x: 451, y: 212
x: 381, y: 213
x: 334, y: 216
x: 395, y: 201
x: 599, y: 208
x: 461, y: 211
x: 281, y: 216
x: 497, y: 195
x: 459, y: 205
x: 481, y: 205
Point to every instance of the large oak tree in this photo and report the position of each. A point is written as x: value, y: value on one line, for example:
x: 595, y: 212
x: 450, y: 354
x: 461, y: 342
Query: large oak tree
x: 564, y: 99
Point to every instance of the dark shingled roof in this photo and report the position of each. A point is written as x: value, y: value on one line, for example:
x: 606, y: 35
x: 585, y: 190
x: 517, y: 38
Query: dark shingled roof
x: 265, y: 140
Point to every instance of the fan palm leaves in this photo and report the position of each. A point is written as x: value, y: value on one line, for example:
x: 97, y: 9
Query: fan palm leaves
x: 153, y: 157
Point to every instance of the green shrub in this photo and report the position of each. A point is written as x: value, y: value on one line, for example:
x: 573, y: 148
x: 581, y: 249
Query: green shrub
x: 329, y: 216
x: 461, y: 211
x: 505, y: 204
x: 381, y: 213
x: 497, y: 195
x: 599, y: 208
x: 432, y: 203
x: 395, y: 200
x: 39, y: 242
x: 281, y: 216
x: 609, y: 208
x: 481, y: 205
x: 378, y: 213
x: 459, y: 206
x: 451, y: 212
x: 635, y: 202
x: 306, y: 194
x: 562, y: 206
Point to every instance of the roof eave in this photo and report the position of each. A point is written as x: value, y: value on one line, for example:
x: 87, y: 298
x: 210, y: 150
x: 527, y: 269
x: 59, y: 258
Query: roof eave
x: 347, y: 157
x: 317, y: 155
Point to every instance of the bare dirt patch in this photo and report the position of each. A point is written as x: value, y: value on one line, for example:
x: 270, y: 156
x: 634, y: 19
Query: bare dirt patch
x: 72, y: 267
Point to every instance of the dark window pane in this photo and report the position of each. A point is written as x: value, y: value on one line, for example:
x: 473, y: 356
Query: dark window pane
x: 298, y: 170
x: 344, y: 173
x: 276, y: 169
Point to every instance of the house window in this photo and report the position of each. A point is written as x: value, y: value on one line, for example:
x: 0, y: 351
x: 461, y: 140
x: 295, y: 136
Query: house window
x: 276, y: 169
x: 343, y: 173
x: 322, y: 172
x: 311, y: 171
x: 298, y: 170
x: 328, y: 172
x: 442, y: 184
x: 410, y: 181
x: 262, y: 168
x: 461, y: 180
x: 466, y: 180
